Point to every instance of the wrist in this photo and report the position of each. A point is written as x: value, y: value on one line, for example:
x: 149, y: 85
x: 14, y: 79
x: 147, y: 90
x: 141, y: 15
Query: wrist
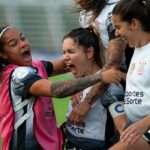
x: 90, y: 98
x: 99, y: 73
x: 146, y: 121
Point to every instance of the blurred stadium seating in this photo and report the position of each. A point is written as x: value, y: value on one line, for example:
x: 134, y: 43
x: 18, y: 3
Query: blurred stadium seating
x: 43, y: 21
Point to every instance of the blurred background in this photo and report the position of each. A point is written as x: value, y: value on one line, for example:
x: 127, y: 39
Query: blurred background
x: 44, y: 22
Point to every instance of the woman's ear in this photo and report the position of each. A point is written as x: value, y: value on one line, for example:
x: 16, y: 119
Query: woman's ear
x: 90, y: 53
x: 135, y: 24
x: 3, y: 55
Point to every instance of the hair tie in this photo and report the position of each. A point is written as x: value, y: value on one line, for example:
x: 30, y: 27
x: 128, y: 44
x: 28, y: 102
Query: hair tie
x: 4, y: 30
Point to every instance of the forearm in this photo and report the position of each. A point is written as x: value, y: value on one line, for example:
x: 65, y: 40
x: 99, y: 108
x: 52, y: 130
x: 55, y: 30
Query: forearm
x: 115, y: 52
x: 67, y: 88
x: 117, y: 112
x: 96, y: 91
x: 146, y: 121
x: 120, y: 122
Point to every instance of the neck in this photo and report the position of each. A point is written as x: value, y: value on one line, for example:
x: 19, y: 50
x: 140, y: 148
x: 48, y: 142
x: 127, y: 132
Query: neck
x: 145, y: 39
x: 93, y: 68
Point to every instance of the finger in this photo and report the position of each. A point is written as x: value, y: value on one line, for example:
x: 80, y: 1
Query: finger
x: 82, y: 119
x: 72, y: 116
x: 75, y: 117
x: 75, y: 100
x: 135, y: 138
x: 76, y: 120
x: 127, y: 134
x: 116, y: 82
x: 132, y: 139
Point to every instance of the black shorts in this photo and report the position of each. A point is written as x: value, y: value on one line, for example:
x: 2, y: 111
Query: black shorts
x: 77, y: 143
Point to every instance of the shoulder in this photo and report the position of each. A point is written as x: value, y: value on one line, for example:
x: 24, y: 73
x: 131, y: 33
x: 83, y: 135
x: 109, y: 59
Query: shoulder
x: 23, y: 72
x: 115, y: 89
x: 22, y: 78
x: 113, y: 94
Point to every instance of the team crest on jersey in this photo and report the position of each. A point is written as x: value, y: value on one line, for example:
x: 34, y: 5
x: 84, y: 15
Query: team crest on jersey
x: 140, y: 70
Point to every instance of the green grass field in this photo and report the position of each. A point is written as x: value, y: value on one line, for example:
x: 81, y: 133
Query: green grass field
x: 60, y: 105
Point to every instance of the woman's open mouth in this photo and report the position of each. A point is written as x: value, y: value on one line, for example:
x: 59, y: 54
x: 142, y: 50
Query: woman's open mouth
x: 27, y: 55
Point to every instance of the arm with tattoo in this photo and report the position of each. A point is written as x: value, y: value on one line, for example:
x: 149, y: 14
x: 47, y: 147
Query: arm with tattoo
x: 44, y: 87
x: 66, y: 88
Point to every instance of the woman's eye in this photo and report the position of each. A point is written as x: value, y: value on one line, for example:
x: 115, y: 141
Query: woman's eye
x: 13, y: 43
x: 71, y: 51
x: 23, y: 38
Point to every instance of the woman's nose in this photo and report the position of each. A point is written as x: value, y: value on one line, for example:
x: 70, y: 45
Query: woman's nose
x: 66, y: 56
x: 24, y: 43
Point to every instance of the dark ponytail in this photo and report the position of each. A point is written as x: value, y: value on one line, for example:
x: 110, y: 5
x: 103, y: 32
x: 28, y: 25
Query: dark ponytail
x: 87, y: 37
